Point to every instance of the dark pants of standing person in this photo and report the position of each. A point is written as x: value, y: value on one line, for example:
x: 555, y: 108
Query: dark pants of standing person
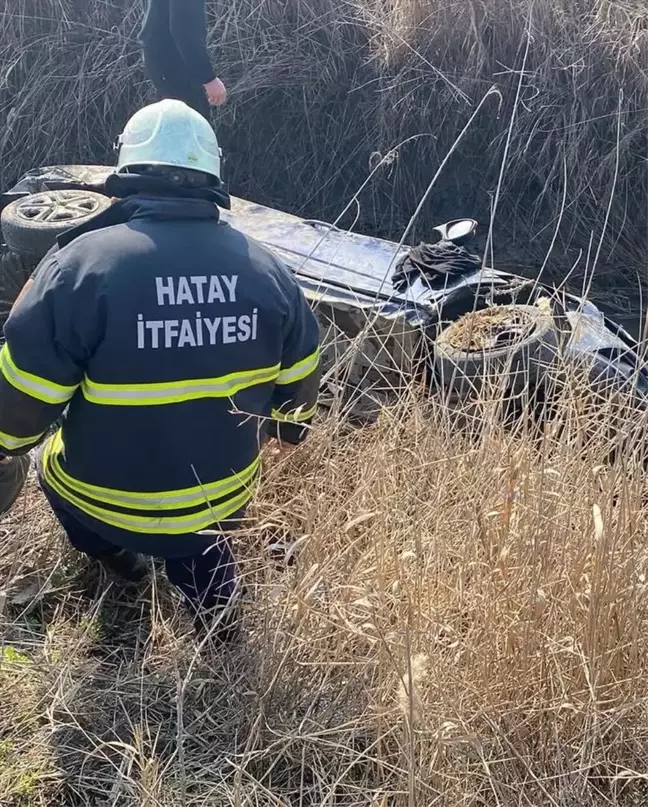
x: 207, y: 580
x: 176, y: 83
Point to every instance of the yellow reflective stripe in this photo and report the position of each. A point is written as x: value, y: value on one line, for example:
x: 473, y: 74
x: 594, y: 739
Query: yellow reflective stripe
x: 11, y: 443
x: 176, y: 391
x: 162, y: 500
x: 299, y: 371
x: 40, y: 388
x: 296, y: 416
x: 180, y: 525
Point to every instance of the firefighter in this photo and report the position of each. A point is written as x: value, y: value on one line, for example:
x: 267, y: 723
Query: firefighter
x: 174, y: 38
x: 169, y: 346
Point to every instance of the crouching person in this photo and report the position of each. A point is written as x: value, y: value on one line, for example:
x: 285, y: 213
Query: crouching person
x: 170, y: 346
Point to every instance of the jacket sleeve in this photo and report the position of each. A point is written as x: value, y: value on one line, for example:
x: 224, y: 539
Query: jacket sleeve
x: 294, y: 401
x: 188, y: 21
x: 41, y: 362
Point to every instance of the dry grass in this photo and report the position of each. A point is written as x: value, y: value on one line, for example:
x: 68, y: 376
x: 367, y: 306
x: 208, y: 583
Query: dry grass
x: 466, y: 621
x: 320, y: 89
x: 466, y: 624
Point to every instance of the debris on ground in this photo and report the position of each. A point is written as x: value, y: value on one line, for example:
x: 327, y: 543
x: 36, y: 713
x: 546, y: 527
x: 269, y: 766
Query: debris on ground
x: 490, y: 328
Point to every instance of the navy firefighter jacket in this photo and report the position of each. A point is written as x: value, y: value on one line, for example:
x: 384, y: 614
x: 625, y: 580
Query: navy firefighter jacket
x: 168, y: 343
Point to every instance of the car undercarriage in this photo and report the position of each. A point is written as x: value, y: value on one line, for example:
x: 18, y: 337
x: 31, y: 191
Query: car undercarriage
x: 388, y: 314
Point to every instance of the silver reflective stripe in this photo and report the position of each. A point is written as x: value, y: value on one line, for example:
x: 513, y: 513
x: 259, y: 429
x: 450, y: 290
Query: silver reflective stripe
x: 32, y: 385
x: 12, y: 443
x: 175, y: 392
x: 300, y: 370
x: 164, y: 500
x: 296, y: 416
x: 163, y: 526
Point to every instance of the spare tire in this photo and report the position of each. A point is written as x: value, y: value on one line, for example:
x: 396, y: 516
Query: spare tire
x: 516, y: 340
x: 31, y: 225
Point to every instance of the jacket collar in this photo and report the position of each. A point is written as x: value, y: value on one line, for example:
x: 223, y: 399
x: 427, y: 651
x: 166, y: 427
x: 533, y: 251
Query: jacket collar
x: 143, y: 207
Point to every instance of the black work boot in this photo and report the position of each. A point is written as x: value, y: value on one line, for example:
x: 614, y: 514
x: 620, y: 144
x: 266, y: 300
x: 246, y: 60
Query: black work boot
x: 228, y: 629
x: 129, y: 565
x: 222, y: 622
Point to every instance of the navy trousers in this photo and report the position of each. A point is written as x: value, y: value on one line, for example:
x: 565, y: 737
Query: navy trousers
x: 176, y: 83
x: 207, y: 580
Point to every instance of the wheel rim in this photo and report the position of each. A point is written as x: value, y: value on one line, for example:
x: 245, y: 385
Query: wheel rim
x: 65, y: 206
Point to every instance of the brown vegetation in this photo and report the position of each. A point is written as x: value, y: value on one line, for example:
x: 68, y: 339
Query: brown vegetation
x: 465, y: 624
x: 321, y: 89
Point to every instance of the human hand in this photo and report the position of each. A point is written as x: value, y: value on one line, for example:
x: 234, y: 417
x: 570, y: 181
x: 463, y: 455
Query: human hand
x: 281, y: 450
x: 216, y: 92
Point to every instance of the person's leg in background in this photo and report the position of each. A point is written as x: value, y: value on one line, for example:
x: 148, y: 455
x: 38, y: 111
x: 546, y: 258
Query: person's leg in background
x: 176, y: 84
x: 13, y: 476
x: 194, y: 96
x: 210, y: 587
x: 129, y: 565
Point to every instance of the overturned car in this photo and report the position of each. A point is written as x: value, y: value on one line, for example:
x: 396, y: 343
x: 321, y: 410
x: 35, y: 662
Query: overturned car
x: 388, y: 314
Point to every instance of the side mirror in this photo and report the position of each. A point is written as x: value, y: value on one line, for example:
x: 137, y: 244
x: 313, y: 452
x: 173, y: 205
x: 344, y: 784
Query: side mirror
x: 456, y: 230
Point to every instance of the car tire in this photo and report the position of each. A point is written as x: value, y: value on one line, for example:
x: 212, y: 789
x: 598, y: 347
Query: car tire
x: 31, y: 225
x: 520, y: 361
x: 13, y: 476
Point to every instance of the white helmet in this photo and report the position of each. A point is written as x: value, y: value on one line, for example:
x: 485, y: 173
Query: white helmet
x: 169, y: 133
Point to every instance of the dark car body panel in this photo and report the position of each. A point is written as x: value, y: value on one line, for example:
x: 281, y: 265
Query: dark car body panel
x: 375, y: 338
